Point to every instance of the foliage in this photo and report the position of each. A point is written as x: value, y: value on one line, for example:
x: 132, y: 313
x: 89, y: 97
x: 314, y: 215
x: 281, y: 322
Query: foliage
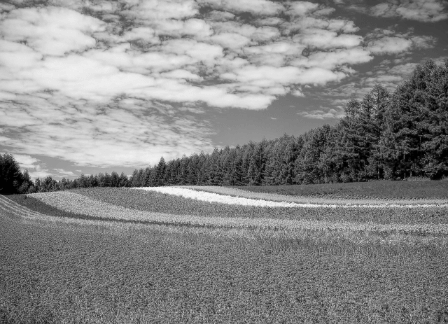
x: 12, y: 180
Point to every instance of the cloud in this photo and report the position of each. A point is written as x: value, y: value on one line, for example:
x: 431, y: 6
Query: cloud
x: 231, y: 40
x: 297, y: 93
x: 301, y: 8
x: 336, y: 58
x: 122, y: 83
x: 420, y: 10
x: 389, y: 45
x: 324, y: 39
x: 64, y: 172
x: 387, y: 41
x: 50, y: 30
x: 40, y: 173
x: 157, y: 10
x: 26, y: 161
x: 122, y: 134
x: 323, y: 114
x: 216, y: 15
x: 261, y: 7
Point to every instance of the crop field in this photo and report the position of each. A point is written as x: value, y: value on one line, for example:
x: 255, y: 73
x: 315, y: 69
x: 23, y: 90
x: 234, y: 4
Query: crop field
x: 385, y: 190
x: 223, y: 255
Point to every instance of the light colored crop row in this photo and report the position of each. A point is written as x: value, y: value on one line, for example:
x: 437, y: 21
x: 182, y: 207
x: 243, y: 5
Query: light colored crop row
x: 80, y: 204
x: 225, y: 195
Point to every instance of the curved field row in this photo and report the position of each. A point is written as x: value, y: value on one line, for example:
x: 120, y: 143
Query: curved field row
x: 15, y: 209
x: 231, y: 195
x: 381, y: 190
x: 78, y: 203
x: 171, y: 204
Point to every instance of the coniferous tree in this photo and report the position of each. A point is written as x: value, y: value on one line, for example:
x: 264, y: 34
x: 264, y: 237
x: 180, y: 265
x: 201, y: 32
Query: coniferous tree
x: 10, y: 175
x: 160, y: 175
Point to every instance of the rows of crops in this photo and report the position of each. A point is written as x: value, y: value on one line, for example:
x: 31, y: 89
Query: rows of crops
x: 158, y: 202
x: 238, y: 196
x: 64, y: 272
x: 383, y: 190
x: 296, y: 218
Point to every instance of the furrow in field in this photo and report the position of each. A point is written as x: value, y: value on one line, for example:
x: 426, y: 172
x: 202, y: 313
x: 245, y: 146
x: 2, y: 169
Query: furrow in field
x: 16, y: 209
x: 76, y: 203
x: 239, y: 197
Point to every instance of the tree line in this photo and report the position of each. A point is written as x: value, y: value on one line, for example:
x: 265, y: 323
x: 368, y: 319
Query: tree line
x: 383, y: 136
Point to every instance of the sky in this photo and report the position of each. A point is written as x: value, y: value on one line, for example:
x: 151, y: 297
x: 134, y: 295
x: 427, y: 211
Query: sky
x: 94, y: 86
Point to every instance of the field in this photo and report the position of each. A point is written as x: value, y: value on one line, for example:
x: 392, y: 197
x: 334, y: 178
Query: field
x: 179, y: 255
x: 376, y: 189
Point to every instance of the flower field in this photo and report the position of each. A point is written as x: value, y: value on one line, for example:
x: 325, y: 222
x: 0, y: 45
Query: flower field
x: 181, y: 255
x: 265, y: 219
x: 237, y: 196
x: 383, y: 190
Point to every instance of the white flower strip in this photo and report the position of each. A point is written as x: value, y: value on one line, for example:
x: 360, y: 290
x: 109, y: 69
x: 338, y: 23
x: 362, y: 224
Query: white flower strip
x: 217, y: 198
x: 257, y: 199
x: 73, y: 202
x: 313, y: 200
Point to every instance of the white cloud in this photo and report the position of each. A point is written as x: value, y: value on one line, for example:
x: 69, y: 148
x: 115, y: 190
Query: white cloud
x: 154, y: 10
x: 26, y: 161
x: 40, y: 173
x: 319, y: 76
x: 420, y: 10
x: 231, y: 40
x: 323, y: 114
x: 336, y: 58
x: 336, y: 25
x: 50, y: 30
x: 389, y: 45
x: 325, y: 39
x: 387, y: 41
x: 181, y: 74
x: 125, y: 88
x: 63, y: 172
x: 106, y: 135
x: 298, y: 93
x: 203, y: 52
x: 301, y: 8
x: 261, y: 7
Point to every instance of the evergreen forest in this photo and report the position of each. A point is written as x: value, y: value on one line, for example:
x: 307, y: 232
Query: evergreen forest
x: 383, y: 136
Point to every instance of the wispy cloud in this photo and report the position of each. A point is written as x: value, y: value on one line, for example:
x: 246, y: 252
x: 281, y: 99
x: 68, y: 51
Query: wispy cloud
x: 324, y: 113
x: 387, y: 41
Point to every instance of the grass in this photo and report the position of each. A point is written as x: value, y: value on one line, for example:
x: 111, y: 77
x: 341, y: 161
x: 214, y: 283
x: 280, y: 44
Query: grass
x: 75, y: 274
x: 375, y: 189
x: 127, y: 256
